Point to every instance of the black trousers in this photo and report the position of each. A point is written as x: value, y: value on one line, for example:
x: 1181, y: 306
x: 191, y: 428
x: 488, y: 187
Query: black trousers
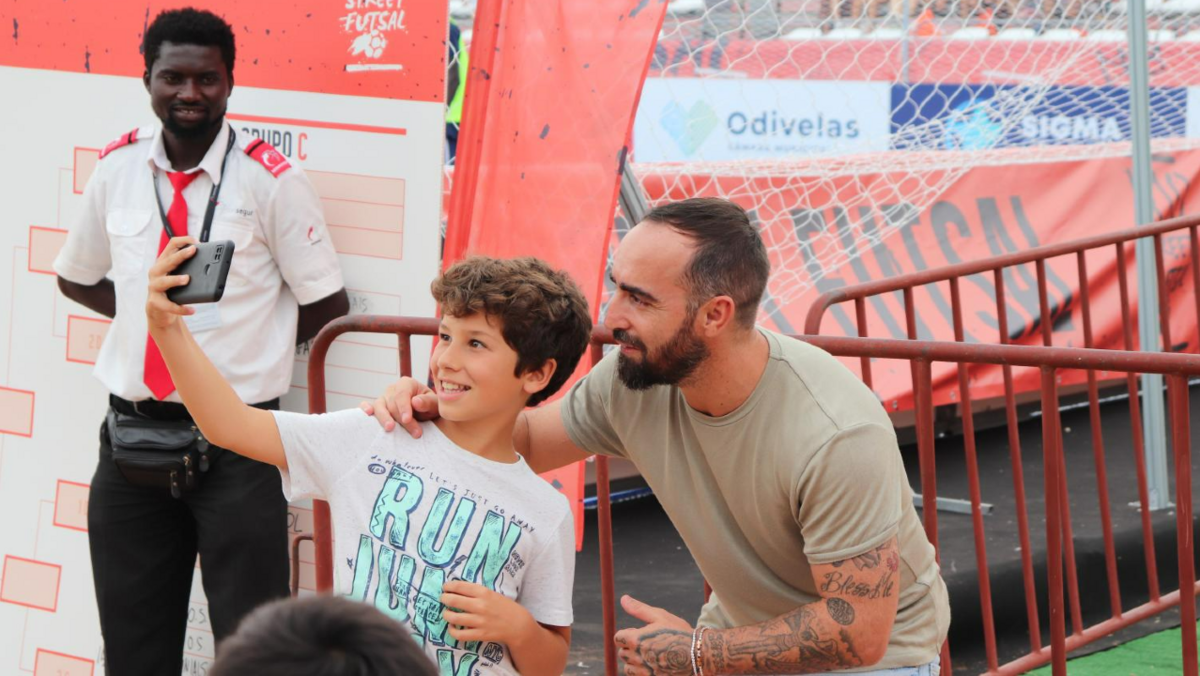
x: 144, y: 545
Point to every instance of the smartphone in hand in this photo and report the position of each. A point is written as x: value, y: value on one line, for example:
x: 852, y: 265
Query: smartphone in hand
x: 207, y: 271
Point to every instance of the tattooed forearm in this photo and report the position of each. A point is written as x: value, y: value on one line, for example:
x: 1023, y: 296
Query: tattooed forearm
x: 844, y: 584
x: 866, y: 561
x: 877, y: 571
x: 801, y: 641
x: 666, y: 651
x: 871, y: 560
x: 849, y: 627
x: 840, y: 611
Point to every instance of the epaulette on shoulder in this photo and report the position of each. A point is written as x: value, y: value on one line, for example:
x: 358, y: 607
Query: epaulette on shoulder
x: 125, y: 140
x: 265, y: 154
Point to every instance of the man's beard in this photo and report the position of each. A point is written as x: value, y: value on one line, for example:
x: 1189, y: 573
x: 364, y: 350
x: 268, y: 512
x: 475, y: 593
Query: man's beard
x: 670, y: 364
x: 198, y: 131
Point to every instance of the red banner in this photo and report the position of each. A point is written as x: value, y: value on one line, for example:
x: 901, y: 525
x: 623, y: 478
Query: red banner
x: 351, y: 47
x: 554, y: 106
x: 989, y: 211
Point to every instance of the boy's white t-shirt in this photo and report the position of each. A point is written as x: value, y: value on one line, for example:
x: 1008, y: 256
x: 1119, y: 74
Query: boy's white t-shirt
x: 409, y: 514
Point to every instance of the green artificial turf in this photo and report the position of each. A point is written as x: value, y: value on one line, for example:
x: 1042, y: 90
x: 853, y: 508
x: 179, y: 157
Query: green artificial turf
x: 1154, y: 655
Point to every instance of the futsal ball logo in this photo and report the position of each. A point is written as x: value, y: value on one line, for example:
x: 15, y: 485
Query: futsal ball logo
x: 370, y: 45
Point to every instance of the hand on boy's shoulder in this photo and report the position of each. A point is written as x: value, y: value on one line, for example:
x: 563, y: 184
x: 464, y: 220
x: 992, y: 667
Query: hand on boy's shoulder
x: 407, y: 402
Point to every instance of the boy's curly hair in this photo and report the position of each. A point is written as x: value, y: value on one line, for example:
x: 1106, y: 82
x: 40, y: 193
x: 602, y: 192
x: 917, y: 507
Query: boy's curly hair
x: 542, y: 313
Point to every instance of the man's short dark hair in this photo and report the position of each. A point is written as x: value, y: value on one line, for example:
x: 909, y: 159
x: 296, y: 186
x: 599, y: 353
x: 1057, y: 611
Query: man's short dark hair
x: 730, y: 258
x: 320, y: 636
x: 542, y: 313
x: 189, y: 26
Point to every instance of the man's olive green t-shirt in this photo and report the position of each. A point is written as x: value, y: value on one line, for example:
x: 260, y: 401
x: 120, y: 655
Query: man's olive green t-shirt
x: 807, y: 470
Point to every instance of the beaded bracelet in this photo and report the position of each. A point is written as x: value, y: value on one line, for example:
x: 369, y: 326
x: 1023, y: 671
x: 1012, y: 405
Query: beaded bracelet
x: 692, y: 652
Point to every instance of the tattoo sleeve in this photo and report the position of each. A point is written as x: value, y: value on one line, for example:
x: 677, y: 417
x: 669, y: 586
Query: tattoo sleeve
x: 666, y: 651
x: 852, y: 621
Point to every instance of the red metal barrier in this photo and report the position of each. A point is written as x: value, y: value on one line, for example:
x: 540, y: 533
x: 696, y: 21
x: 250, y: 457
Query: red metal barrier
x: 922, y: 355
x: 1059, y: 534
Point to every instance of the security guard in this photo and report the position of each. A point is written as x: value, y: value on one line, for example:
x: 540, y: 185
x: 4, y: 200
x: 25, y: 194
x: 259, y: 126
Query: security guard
x: 193, y: 175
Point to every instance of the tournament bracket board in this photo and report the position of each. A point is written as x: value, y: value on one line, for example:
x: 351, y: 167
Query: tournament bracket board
x: 352, y: 91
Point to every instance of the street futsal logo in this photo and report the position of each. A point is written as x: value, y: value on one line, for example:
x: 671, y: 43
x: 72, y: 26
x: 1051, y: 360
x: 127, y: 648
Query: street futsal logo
x: 374, y: 24
x: 370, y: 45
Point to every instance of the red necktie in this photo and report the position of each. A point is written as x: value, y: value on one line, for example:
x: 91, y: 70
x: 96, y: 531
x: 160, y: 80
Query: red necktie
x: 156, y: 376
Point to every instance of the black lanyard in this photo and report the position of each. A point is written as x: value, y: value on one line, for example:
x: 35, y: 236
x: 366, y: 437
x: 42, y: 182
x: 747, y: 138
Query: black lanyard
x: 212, y: 196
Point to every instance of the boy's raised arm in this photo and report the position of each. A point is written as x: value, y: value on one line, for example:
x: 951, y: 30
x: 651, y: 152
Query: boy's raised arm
x: 221, y: 416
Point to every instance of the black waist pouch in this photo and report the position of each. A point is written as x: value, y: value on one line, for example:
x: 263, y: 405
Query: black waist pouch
x: 159, y: 453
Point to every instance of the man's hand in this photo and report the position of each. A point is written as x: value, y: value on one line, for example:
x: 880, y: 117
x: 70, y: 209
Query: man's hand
x: 661, y: 647
x: 406, y: 401
x: 161, y: 313
x: 476, y: 613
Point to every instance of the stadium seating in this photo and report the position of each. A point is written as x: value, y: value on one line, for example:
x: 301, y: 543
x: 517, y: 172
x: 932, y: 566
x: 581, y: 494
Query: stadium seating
x: 847, y: 33
x: 1017, y: 34
x: 1062, y: 34
x: 971, y: 33
x: 806, y: 33
x: 886, y: 33
x: 1108, y: 35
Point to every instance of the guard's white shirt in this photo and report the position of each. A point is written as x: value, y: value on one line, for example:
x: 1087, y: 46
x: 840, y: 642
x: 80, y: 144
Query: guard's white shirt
x: 283, y: 257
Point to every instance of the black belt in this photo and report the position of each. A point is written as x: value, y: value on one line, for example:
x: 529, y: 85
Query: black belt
x: 167, y: 410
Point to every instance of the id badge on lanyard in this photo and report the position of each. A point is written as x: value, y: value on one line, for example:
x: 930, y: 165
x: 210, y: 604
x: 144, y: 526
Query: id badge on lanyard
x: 211, y: 209
x: 207, y: 316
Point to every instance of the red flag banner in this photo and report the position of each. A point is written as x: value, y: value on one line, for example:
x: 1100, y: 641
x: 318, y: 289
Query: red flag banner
x: 542, y: 170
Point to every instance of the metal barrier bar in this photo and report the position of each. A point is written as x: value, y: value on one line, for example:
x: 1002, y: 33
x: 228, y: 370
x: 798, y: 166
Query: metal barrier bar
x: 981, y: 563
x: 608, y: 592
x: 860, y: 313
x: 1014, y: 454
x: 921, y: 354
x: 1068, y: 535
x: 812, y: 323
x: 923, y: 386
x: 1135, y: 424
x: 924, y: 390
x: 1194, y: 250
x: 1164, y: 301
x: 303, y: 537
x: 1110, y: 550
x: 1051, y: 451
x: 1181, y: 446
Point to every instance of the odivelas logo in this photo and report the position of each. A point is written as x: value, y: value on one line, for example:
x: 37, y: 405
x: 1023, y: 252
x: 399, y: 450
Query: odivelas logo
x: 691, y: 127
x: 774, y: 123
x: 371, y: 22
